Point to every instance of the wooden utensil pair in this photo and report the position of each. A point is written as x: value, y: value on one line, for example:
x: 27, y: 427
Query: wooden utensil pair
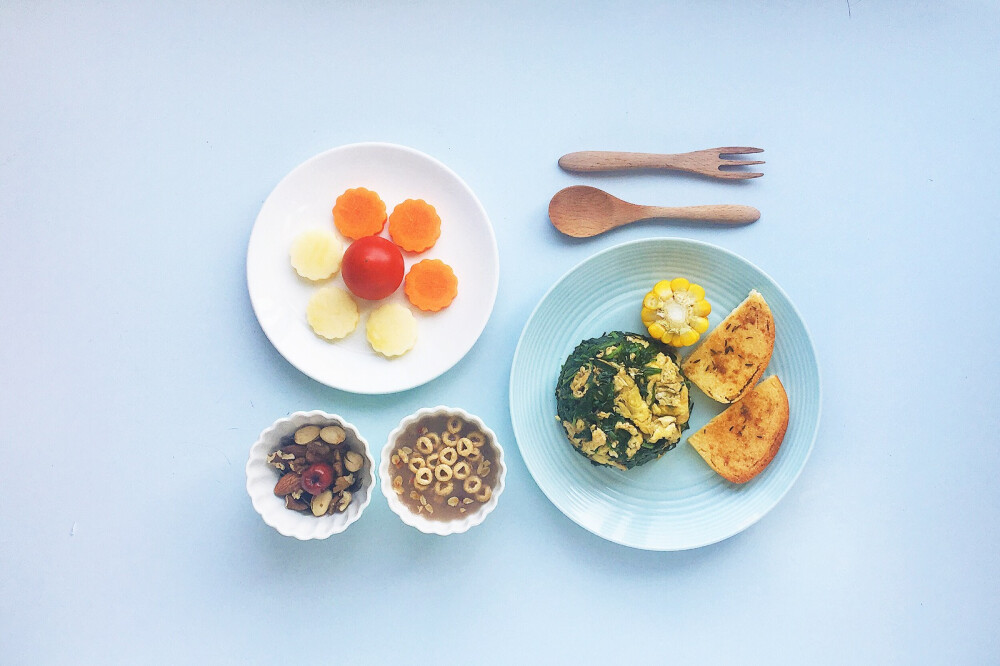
x: 583, y: 211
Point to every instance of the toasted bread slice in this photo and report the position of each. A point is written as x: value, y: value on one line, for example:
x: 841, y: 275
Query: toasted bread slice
x: 741, y: 441
x: 733, y: 357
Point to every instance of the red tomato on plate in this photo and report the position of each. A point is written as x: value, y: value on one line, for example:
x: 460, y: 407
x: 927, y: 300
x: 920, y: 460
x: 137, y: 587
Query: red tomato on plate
x: 372, y: 268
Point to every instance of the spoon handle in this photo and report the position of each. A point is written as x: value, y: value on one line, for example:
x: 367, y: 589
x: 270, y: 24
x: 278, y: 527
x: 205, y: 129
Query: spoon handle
x: 726, y: 213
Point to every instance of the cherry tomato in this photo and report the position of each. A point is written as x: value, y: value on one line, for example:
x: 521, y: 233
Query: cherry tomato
x: 372, y: 267
x: 317, y: 478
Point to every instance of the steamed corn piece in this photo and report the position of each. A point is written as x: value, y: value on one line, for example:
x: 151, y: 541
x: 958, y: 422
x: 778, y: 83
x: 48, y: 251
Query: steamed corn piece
x: 332, y: 313
x: 676, y: 312
x: 316, y: 254
x: 391, y: 330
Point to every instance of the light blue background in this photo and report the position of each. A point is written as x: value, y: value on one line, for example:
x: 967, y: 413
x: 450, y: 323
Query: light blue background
x: 137, y: 143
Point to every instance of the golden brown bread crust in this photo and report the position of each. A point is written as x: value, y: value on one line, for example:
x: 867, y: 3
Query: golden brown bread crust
x: 734, y: 356
x: 742, y: 441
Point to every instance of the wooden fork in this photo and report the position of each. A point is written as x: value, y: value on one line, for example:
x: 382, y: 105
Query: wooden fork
x: 705, y: 162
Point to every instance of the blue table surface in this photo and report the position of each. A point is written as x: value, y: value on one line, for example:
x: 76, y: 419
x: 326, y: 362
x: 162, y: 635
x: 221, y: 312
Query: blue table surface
x: 137, y: 144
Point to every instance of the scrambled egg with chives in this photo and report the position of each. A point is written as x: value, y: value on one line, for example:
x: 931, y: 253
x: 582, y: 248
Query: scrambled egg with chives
x: 622, y: 400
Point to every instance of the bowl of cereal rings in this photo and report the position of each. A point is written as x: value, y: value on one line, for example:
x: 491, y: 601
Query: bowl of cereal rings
x: 442, y: 470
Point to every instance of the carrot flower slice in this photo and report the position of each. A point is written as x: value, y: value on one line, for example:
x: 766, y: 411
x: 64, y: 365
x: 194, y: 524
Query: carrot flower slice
x: 359, y: 212
x: 414, y: 225
x: 431, y: 285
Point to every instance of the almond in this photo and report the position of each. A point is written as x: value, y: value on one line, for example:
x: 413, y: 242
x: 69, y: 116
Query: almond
x: 288, y: 484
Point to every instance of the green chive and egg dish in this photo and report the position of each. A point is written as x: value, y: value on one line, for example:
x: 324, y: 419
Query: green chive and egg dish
x: 622, y: 399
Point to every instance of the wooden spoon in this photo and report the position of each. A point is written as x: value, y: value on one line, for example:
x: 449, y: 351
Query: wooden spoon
x: 583, y: 211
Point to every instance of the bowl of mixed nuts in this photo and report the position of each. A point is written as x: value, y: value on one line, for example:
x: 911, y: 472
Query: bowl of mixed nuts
x: 310, y: 475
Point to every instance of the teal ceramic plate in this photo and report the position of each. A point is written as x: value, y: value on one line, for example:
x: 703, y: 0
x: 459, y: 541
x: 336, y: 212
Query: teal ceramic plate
x: 676, y: 502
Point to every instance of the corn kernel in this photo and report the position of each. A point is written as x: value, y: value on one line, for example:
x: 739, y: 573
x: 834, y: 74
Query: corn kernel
x: 679, y: 284
x: 651, y: 301
x: 697, y: 291
x: 689, y: 337
x: 662, y: 289
x: 703, y: 308
x: 648, y: 316
x: 656, y: 330
x: 699, y: 324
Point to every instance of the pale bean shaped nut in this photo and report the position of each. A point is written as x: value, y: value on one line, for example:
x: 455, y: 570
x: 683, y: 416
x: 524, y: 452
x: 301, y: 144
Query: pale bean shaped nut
x: 407, y: 450
x: 416, y: 463
x: 454, y: 425
x: 472, y: 485
x: 462, y: 470
x: 345, y: 500
x: 432, y: 460
x: 452, y: 501
x: 450, y: 438
x: 448, y: 456
x: 484, y: 468
x: 321, y: 502
x: 442, y: 488
x: 333, y: 435
x: 443, y: 473
x: 423, y: 477
x: 353, y: 461
x: 477, y: 438
x: 306, y: 434
x: 404, y: 454
x: 430, y: 509
x: 425, y: 445
x: 485, y: 494
x: 397, y: 485
x: 475, y: 456
x: 395, y: 460
x: 464, y: 447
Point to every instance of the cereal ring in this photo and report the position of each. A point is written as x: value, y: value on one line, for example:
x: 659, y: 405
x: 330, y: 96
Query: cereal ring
x: 443, y: 473
x: 416, y: 463
x: 465, y: 447
x: 475, y: 456
x: 425, y: 445
x: 485, y: 494
x: 462, y: 470
x: 448, y: 456
x: 442, y: 488
x: 450, y: 438
x: 423, y: 477
x: 484, y: 468
x: 454, y: 425
x: 472, y: 485
x: 477, y: 438
x: 432, y: 460
x: 435, y: 439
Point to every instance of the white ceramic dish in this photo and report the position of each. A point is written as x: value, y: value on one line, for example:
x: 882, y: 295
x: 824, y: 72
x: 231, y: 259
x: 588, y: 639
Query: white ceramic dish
x: 304, y: 200
x: 261, y: 479
x: 418, y: 521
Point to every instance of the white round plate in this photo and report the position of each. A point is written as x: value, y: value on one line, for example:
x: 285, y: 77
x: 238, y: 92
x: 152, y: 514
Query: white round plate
x: 676, y: 502
x: 304, y: 200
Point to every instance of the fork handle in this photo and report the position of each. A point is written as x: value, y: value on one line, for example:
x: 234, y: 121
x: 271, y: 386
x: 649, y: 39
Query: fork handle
x: 606, y: 160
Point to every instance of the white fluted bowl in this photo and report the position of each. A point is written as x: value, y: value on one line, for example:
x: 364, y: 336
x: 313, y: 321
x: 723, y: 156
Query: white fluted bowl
x: 261, y: 479
x: 418, y: 521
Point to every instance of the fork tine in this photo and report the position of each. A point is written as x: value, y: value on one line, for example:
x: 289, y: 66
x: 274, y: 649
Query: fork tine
x: 726, y: 162
x: 739, y: 175
x: 738, y: 151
